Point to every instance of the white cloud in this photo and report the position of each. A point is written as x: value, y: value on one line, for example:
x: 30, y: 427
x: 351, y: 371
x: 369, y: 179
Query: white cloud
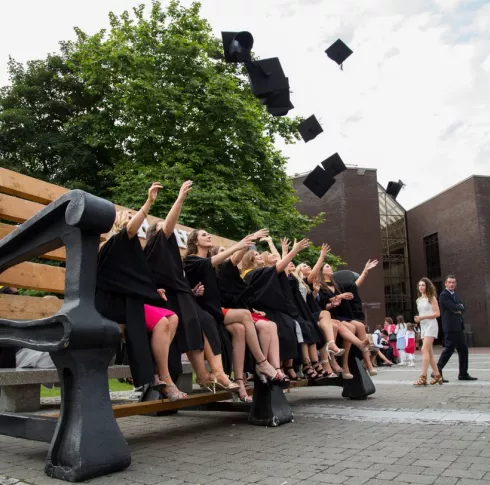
x: 413, y: 100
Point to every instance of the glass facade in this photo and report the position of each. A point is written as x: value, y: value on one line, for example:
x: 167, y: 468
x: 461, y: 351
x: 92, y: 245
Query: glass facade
x: 394, y: 243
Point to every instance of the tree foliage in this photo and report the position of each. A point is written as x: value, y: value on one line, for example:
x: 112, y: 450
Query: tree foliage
x: 151, y: 99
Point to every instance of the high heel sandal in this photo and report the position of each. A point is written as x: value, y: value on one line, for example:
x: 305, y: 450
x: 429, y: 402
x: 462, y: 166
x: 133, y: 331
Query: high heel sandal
x: 170, y: 391
x: 242, y: 397
x: 319, y: 369
x: 347, y: 376
x: 309, y: 372
x: 436, y: 380
x: 332, y: 354
x: 232, y: 387
x: 422, y: 381
x: 278, y: 379
x: 333, y: 374
x: 158, y: 386
x: 209, y: 383
x: 288, y: 374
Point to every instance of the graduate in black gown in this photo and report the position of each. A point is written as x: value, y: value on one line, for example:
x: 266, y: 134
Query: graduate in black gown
x: 265, y: 274
x: 333, y: 298
x: 200, y: 266
x: 198, y: 334
x: 127, y: 294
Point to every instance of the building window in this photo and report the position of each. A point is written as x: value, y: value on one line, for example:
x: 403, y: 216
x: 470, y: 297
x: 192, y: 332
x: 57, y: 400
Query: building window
x: 432, y: 260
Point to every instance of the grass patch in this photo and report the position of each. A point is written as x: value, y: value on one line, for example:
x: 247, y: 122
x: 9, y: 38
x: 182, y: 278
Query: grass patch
x: 114, y: 385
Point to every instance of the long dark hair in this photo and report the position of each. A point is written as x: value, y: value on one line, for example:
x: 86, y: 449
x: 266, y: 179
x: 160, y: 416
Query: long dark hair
x: 323, y: 283
x: 430, y: 289
x: 192, y: 243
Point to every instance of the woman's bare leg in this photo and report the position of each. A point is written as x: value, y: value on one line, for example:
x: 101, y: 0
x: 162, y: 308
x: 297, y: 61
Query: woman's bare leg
x: 238, y: 340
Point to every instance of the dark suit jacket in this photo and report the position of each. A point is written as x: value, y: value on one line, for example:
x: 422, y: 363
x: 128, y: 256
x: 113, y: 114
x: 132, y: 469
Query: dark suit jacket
x: 449, y: 305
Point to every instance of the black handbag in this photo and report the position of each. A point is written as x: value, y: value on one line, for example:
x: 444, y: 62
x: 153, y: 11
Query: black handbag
x: 392, y: 337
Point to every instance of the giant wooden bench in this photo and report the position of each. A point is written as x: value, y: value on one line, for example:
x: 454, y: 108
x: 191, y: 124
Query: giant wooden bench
x: 82, y: 343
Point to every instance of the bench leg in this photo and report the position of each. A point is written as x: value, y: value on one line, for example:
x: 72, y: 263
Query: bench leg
x: 362, y: 385
x: 87, y: 442
x: 270, y: 406
x: 20, y: 399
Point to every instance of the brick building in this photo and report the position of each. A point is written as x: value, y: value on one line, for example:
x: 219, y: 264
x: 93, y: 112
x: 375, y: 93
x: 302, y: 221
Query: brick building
x: 450, y: 233
x: 362, y: 222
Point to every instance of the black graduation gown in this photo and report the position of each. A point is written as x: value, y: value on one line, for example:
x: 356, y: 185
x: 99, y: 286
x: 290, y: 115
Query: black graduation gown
x: 163, y: 256
x: 342, y: 312
x: 268, y: 296
x: 302, y: 314
x: 235, y: 293
x: 200, y: 270
x: 347, y: 279
x: 124, y: 285
x: 311, y: 301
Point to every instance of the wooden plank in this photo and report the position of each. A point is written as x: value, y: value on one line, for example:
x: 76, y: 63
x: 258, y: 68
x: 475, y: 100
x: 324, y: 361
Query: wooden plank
x: 17, y: 307
x: 57, y: 255
x: 17, y: 210
x: 29, y: 188
x: 17, y: 187
x: 35, y: 276
x: 134, y: 409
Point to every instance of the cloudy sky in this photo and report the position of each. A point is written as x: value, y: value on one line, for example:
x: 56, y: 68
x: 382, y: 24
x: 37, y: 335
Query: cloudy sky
x: 413, y: 101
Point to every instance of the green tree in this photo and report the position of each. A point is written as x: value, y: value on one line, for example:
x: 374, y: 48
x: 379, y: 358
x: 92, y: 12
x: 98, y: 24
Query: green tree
x: 151, y: 99
x: 50, y: 127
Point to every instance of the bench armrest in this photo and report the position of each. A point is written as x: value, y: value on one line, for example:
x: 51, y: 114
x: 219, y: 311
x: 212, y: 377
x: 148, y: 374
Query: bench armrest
x: 75, y: 220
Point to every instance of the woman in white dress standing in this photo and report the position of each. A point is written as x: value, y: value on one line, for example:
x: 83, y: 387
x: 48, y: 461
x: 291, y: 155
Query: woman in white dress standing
x: 428, y: 310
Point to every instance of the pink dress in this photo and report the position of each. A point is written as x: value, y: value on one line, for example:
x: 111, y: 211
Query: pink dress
x: 154, y: 314
x: 392, y: 343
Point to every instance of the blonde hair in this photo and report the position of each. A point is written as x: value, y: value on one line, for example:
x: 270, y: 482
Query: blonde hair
x: 120, y: 222
x: 266, y: 255
x: 248, y: 262
x: 296, y: 274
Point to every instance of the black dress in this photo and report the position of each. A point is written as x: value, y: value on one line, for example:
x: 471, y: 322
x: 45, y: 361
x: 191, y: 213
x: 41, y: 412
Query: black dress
x: 163, y: 256
x: 268, y: 296
x: 302, y: 314
x: 124, y: 285
x: 348, y: 279
x: 235, y: 293
x: 200, y: 270
x: 343, y: 312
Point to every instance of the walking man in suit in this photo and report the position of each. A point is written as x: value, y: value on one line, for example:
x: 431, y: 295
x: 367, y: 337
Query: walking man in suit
x: 452, y: 309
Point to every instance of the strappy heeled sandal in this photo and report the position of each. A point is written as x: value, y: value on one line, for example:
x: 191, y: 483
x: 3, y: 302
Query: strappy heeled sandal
x: 332, y: 354
x: 309, y: 372
x: 422, y: 381
x: 242, y: 397
x: 436, y: 380
x: 319, y: 369
x: 232, y: 387
x: 209, y: 383
x: 288, y: 374
x: 336, y: 371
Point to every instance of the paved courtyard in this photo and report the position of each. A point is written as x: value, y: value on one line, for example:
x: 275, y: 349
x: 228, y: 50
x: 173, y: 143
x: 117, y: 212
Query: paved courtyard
x: 436, y: 435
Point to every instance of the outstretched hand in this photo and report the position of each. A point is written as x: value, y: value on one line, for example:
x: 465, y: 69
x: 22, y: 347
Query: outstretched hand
x: 285, y: 245
x: 185, y: 188
x: 299, y: 246
x: 325, y: 249
x: 247, y: 242
x: 261, y: 234
x: 153, y: 191
x: 371, y: 264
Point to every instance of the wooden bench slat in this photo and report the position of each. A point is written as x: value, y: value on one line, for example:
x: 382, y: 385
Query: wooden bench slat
x: 29, y: 188
x: 17, y: 307
x: 17, y: 210
x: 35, y: 276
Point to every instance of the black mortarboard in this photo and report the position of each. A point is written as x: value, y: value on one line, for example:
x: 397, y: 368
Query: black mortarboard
x: 318, y: 181
x: 334, y: 165
x: 237, y: 46
x: 280, y: 111
x: 338, y: 52
x: 394, y: 188
x: 266, y: 76
x: 309, y: 129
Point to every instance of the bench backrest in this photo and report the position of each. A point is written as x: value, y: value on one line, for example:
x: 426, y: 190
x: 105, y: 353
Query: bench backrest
x: 20, y: 198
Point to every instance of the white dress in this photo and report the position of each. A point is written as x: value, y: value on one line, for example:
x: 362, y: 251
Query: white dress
x: 430, y: 327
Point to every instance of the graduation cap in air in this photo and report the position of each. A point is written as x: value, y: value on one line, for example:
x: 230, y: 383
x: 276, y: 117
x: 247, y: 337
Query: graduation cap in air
x: 280, y: 111
x: 309, y: 129
x: 394, y: 188
x: 334, y: 165
x: 237, y: 46
x: 319, y: 181
x: 338, y: 52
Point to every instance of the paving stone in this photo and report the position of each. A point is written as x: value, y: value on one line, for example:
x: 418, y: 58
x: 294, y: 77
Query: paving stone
x: 406, y: 477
